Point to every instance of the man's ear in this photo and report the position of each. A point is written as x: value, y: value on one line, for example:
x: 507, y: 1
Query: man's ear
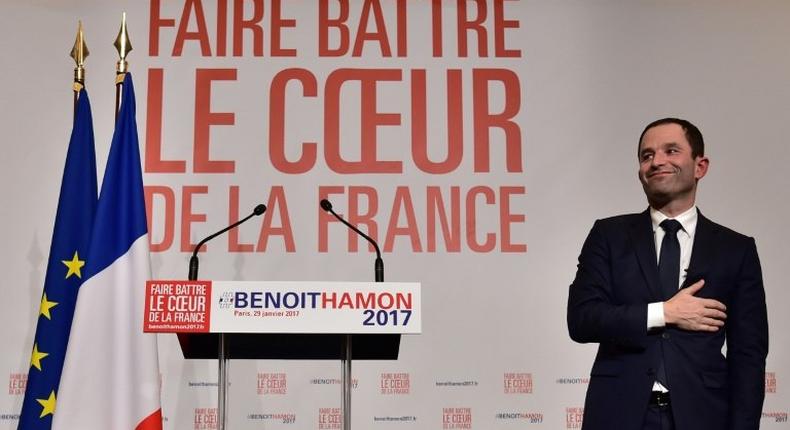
x: 701, y: 165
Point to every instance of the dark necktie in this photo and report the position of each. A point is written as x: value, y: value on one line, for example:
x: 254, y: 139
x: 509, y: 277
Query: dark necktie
x: 669, y: 273
x: 669, y: 258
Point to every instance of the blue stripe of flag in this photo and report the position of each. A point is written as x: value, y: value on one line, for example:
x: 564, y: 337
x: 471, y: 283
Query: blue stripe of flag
x: 120, y: 216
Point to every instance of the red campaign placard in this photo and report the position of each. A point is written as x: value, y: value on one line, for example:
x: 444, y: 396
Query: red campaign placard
x: 173, y: 306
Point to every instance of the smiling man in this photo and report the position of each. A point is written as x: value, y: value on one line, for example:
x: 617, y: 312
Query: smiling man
x: 661, y: 292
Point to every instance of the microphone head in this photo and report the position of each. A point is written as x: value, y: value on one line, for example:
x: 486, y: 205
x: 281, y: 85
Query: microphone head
x: 260, y: 209
x: 325, y: 205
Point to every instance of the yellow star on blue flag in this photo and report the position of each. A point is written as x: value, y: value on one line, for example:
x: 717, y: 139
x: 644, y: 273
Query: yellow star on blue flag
x: 74, y: 265
x: 48, y: 405
x: 46, y: 306
x: 35, y: 358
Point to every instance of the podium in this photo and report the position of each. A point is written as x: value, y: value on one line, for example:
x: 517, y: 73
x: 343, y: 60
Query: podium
x: 284, y: 321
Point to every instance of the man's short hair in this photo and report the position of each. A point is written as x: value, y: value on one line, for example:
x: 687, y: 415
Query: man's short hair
x: 693, y: 135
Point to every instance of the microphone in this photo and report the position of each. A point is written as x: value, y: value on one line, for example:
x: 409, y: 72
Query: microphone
x: 379, y: 267
x: 193, y: 261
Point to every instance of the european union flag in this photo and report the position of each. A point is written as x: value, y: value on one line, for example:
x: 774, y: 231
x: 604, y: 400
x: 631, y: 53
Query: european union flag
x: 65, y: 272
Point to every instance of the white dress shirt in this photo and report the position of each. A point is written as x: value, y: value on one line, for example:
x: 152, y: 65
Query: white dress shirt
x: 688, y: 222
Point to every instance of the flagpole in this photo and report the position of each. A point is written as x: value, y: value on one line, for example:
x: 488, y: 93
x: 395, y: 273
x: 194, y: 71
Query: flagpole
x: 123, y: 45
x: 79, y: 53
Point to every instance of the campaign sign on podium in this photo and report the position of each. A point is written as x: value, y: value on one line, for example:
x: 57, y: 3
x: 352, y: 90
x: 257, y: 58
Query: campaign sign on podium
x: 180, y: 306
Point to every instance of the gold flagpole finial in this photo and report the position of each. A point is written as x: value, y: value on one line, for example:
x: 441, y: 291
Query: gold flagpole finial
x: 123, y: 46
x: 79, y: 53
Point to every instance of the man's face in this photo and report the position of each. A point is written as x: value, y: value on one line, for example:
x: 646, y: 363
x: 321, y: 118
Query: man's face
x: 667, y: 169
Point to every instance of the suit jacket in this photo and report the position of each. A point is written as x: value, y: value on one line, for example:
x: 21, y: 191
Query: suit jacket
x: 617, y: 277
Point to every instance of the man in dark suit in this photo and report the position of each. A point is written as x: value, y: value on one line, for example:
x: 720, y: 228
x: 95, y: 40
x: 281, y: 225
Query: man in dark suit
x: 661, y: 292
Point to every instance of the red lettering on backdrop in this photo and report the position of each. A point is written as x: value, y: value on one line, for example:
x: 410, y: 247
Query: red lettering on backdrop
x: 465, y: 25
x: 485, y: 120
x: 506, y: 218
x: 480, y: 204
x: 204, y: 119
x: 277, y: 121
x: 364, y: 221
x: 419, y: 119
x: 371, y: 10
x: 401, y: 26
x: 188, y: 217
x: 155, y: 23
x: 443, y: 210
x: 169, y: 219
x: 500, y: 24
x: 252, y: 24
x: 193, y: 15
x: 222, y: 28
x: 436, y: 27
x: 325, y: 23
x: 380, y: 35
x: 370, y: 121
x: 201, y: 35
x: 233, y: 215
x: 276, y: 203
x: 278, y: 23
x: 153, y: 129
x: 451, y: 232
x: 402, y: 200
x: 471, y: 219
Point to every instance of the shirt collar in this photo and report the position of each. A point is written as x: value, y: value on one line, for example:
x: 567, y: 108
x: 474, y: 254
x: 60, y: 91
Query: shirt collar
x: 687, y: 220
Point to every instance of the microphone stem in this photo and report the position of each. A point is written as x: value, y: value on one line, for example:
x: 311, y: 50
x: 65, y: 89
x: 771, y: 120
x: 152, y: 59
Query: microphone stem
x: 379, y: 267
x: 193, y: 261
x: 197, y: 248
x: 368, y: 238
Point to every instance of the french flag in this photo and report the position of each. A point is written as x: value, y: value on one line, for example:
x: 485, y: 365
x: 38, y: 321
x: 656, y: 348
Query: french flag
x: 111, y: 372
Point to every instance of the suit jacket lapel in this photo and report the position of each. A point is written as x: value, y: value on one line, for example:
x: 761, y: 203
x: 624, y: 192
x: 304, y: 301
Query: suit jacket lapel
x: 645, y: 246
x: 701, y: 251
